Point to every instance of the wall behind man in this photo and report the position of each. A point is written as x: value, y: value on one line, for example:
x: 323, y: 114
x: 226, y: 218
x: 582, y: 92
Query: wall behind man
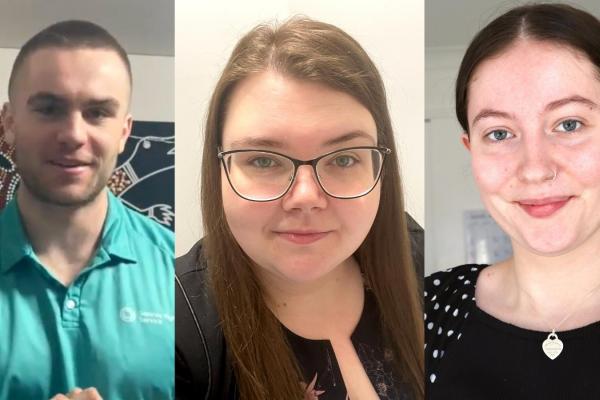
x: 390, y: 31
x: 153, y: 85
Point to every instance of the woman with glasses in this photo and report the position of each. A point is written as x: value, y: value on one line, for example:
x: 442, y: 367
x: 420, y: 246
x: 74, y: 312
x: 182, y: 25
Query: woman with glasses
x: 303, y: 286
x: 528, y: 100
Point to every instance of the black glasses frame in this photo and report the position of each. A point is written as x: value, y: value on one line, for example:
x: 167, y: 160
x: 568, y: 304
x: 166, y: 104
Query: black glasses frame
x: 313, y: 163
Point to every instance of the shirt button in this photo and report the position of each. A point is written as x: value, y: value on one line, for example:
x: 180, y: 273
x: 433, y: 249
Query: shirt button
x: 71, y: 304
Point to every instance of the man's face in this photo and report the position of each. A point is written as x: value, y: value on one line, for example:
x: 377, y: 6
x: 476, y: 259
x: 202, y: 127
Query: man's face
x: 68, y: 119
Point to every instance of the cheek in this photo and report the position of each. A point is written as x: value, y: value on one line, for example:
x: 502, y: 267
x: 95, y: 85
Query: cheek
x: 492, y: 173
x: 357, y: 215
x: 246, y: 219
x: 585, y: 164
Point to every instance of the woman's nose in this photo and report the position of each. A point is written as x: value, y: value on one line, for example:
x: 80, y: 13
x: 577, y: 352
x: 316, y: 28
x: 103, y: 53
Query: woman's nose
x: 536, y: 163
x: 306, y: 193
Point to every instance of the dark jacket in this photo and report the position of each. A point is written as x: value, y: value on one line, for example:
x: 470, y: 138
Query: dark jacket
x: 202, y: 368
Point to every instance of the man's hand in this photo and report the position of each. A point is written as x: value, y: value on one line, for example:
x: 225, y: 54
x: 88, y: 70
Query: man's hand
x: 79, y: 394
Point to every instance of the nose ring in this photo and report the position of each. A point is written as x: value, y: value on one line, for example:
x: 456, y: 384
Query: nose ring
x: 553, y: 176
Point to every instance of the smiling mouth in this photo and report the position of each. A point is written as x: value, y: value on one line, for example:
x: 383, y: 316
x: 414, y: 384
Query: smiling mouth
x: 70, y: 166
x: 301, y: 237
x: 543, y: 208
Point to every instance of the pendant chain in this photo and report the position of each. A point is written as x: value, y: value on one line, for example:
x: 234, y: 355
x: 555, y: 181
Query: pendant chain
x: 553, y: 346
x: 574, y: 310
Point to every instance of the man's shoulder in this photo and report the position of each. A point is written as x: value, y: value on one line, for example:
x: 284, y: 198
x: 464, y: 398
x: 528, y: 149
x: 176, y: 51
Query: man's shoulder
x: 142, y: 228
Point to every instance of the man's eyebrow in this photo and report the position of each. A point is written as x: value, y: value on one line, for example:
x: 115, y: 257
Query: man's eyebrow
x: 571, y: 99
x: 350, y: 136
x: 48, y: 97
x: 490, y: 113
x: 110, y: 103
x: 45, y: 97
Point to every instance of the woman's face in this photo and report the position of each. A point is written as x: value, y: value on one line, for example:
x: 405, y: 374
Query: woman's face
x: 534, y: 122
x: 306, y: 234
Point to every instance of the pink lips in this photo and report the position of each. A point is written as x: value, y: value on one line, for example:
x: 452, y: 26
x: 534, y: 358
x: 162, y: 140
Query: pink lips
x: 542, y: 208
x: 302, y: 237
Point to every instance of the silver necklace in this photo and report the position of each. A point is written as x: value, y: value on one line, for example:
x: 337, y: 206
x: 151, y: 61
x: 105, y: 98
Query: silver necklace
x: 553, y: 346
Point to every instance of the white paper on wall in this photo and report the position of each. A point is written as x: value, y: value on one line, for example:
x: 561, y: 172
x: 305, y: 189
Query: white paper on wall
x: 485, y: 242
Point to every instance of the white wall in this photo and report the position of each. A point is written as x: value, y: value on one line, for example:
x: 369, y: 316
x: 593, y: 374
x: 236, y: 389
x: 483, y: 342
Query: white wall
x: 450, y: 188
x: 153, y: 94
x: 390, y: 31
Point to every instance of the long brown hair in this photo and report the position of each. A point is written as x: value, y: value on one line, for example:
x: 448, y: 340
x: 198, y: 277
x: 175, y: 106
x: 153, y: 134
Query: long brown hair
x: 558, y: 23
x: 264, y: 364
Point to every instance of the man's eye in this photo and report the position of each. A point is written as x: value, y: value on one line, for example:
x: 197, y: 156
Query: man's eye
x: 97, y: 113
x: 569, y: 125
x: 47, y: 110
x: 499, y: 135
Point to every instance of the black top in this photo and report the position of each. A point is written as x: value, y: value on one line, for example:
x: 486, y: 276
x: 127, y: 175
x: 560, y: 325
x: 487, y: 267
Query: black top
x: 471, y: 355
x: 321, y: 370
x: 203, y: 370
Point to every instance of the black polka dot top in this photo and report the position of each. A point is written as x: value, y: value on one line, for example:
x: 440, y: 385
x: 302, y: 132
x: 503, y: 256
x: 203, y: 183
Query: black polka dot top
x: 470, y: 354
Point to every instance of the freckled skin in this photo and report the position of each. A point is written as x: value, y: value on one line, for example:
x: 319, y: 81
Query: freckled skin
x: 302, y: 116
x: 521, y: 83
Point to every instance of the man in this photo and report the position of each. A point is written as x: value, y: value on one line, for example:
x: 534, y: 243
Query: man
x: 86, y: 285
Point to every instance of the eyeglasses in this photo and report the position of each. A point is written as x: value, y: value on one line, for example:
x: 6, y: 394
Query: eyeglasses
x: 260, y: 175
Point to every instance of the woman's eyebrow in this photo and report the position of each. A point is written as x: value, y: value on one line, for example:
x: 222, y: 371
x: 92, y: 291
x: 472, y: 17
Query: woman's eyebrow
x: 490, y: 113
x: 257, y: 142
x: 348, y: 137
x: 571, y: 99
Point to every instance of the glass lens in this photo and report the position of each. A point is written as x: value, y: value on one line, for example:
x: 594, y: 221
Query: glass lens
x: 258, y: 175
x: 350, y: 173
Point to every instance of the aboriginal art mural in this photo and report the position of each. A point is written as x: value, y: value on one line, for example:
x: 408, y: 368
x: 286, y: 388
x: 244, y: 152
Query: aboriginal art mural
x: 144, y: 178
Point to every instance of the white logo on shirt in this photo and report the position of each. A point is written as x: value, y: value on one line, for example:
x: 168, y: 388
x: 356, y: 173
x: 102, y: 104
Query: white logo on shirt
x: 130, y: 315
x: 127, y: 314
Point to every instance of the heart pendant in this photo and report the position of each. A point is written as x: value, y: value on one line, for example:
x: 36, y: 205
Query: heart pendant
x: 552, y: 346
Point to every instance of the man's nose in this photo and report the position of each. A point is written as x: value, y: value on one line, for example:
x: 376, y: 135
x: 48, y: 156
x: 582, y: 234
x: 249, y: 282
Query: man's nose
x: 73, y: 131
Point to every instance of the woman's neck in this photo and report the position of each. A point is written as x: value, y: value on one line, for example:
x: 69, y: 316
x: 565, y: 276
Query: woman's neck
x: 539, y: 292
x: 323, y: 309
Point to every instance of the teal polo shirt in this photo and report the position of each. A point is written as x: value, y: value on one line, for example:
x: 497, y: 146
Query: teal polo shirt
x: 112, y: 328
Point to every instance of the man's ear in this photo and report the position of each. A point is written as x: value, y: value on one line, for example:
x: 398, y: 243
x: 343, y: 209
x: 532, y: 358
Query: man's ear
x: 8, y: 122
x: 125, y: 132
x: 465, y: 139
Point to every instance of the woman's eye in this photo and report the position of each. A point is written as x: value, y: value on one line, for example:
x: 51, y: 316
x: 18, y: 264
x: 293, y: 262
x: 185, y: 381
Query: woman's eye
x: 568, y: 125
x: 499, y: 135
x: 263, y: 162
x: 344, y: 161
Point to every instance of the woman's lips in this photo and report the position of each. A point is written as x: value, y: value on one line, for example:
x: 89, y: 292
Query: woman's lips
x: 299, y: 237
x: 542, y: 208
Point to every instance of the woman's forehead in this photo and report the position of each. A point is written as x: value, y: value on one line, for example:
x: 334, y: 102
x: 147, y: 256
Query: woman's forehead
x: 534, y: 73
x: 271, y: 106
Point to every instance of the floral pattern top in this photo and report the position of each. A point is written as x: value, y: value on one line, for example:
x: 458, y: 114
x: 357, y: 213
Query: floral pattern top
x: 323, y: 378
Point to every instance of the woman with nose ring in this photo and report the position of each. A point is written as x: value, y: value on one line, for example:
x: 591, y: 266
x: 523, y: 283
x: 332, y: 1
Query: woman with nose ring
x: 528, y: 100
x: 303, y: 286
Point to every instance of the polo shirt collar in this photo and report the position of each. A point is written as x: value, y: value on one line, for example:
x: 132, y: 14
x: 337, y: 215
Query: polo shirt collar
x: 116, y: 240
x: 15, y: 244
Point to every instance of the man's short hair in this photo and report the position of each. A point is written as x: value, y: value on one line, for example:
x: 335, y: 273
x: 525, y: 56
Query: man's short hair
x: 73, y: 34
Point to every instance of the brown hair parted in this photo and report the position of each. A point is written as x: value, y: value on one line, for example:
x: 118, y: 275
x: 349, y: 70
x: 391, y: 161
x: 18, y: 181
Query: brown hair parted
x: 558, y: 23
x: 264, y: 364
x: 73, y: 34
